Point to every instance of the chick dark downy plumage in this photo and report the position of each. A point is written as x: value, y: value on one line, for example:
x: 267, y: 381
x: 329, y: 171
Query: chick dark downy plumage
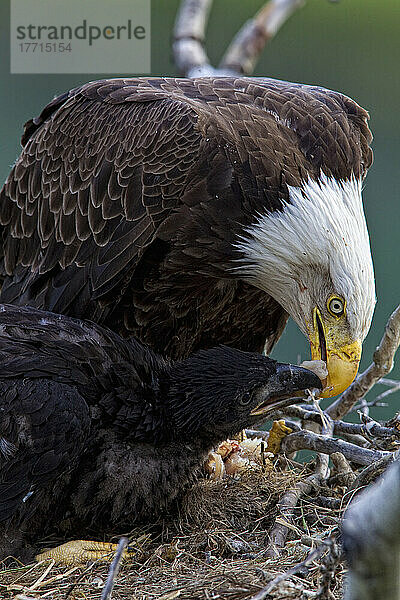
x: 97, y: 431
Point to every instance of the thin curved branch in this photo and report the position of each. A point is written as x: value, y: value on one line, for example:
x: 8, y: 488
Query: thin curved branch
x: 189, y: 34
x: 245, y: 49
x: 382, y: 365
x: 392, y: 390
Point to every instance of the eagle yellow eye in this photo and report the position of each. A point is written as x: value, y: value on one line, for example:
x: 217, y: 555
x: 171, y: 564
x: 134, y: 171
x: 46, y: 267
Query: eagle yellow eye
x: 336, y: 306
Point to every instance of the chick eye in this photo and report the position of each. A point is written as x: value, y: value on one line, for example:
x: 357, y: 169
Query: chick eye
x: 245, y: 399
x: 336, y: 306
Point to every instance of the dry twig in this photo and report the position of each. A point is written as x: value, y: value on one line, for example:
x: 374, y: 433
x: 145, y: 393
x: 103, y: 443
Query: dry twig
x: 393, y: 385
x: 313, y: 555
x: 344, y: 473
x: 368, y: 429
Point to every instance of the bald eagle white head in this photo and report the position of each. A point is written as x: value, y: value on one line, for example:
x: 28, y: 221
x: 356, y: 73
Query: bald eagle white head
x: 314, y: 258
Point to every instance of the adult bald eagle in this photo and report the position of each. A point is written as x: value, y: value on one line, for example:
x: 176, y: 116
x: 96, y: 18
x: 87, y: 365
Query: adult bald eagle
x: 193, y: 212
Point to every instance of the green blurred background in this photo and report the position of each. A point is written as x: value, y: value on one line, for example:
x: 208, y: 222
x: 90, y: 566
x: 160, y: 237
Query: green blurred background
x: 352, y: 46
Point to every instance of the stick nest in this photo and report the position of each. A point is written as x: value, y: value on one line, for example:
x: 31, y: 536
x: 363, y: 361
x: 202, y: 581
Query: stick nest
x: 214, y: 548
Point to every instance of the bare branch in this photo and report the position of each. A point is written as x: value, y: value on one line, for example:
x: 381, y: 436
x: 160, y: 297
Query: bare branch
x: 375, y: 470
x: 306, y: 440
x: 322, y: 460
x: 389, y: 382
x: 286, y: 507
x: 388, y: 392
x: 242, y: 54
x: 374, y: 402
x: 382, y: 365
x: 364, y: 408
x: 256, y: 433
x: 343, y: 474
x: 189, y: 54
x: 368, y: 430
x: 341, y: 464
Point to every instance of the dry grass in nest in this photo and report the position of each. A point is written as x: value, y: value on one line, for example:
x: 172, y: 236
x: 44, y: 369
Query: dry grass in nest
x: 214, y: 549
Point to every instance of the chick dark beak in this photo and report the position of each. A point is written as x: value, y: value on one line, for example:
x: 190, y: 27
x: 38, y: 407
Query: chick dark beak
x: 289, y: 385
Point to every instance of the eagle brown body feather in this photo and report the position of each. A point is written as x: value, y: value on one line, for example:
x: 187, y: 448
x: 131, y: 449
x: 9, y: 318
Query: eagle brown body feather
x: 129, y: 195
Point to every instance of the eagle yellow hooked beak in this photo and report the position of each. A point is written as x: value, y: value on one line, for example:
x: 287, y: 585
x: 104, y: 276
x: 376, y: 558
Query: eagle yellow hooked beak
x: 330, y: 342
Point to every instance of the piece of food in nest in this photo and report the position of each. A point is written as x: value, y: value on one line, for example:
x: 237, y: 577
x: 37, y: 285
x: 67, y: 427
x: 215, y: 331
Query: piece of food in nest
x: 237, y: 464
x: 232, y: 458
x: 256, y: 449
x: 214, y: 466
x: 227, y: 447
x: 316, y: 366
x: 225, y: 459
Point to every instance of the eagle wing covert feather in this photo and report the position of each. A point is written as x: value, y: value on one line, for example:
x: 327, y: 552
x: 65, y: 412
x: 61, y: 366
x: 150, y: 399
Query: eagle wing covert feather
x: 53, y: 369
x: 92, y: 184
x: 42, y: 433
x: 129, y: 194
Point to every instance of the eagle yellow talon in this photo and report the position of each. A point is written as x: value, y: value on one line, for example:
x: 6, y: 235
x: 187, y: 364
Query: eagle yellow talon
x: 278, y: 431
x: 79, y: 552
